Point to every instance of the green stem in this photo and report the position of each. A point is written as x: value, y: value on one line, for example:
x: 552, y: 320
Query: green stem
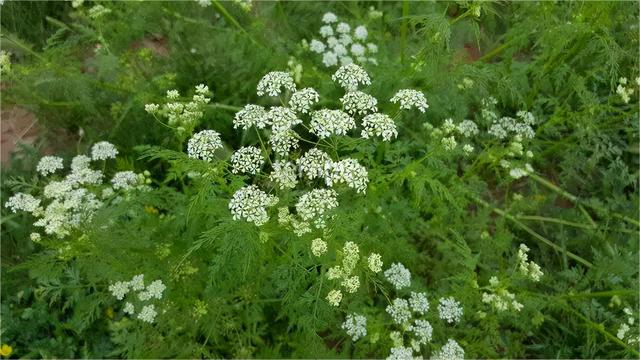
x: 533, y: 233
x: 555, y: 220
x: 403, y: 29
x: 232, y: 20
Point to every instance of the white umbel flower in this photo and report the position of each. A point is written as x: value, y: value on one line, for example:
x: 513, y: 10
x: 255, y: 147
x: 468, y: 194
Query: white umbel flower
x: 250, y: 203
x: 251, y: 115
x: 128, y: 308
x: 137, y: 282
x: 119, y: 289
x: 375, y: 262
x: 22, y: 202
x: 325, y: 123
x: 329, y: 18
x: 302, y: 100
x: 326, y: 31
x: 313, y: 164
x: 419, y: 303
x: 449, y: 310
x: 343, y: 28
x: 422, y: 330
x: 334, y: 297
x: 399, y: 311
x: 124, y: 180
x: 379, y: 125
x: 401, y: 353
x: 57, y: 189
x: 49, y: 165
x: 284, y: 174
x: 360, y: 32
x: 450, y: 351
x: 35, y: 237
x: 373, y: 48
x: 80, y: 162
x: 283, y: 141
x: 409, y: 98
x: 330, y: 59
x: 203, y: 145
x: 350, y: 172
x: 468, y: 128
x: 398, y: 275
x: 148, y: 313
x: 359, y: 103
x: 350, y: 76
x: 318, y: 247
x: 317, y: 46
x: 355, y: 325
x: 358, y: 50
x: 247, y: 159
x: 103, y: 150
x: 282, y: 118
x: 155, y: 289
x: 272, y: 83
x: 315, y: 203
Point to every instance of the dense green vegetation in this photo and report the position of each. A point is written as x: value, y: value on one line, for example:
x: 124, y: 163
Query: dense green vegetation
x: 512, y: 200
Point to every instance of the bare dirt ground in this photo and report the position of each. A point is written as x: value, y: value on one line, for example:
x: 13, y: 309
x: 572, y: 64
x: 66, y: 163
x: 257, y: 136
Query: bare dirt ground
x: 18, y: 126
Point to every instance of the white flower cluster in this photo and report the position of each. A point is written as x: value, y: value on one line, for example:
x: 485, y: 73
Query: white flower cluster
x: 355, y: 325
x: 398, y: 275
x: 318, y: 247
x: 379, y: 125
x: 409, y: 98
x: 359, y: 103
x: 449, y: 310
x: 624, y: 329
x: 247, y: 159
x: 315, y: 203
x: 500, y: 298
x: 103, y: 150
x: 302, y: 100
x: 341, y: 45
x: 272, y: 83
x: 345, y: 272
x: 66, y: 204
x: 347, y: 171
x: 313, y: 164
x: 251, y: 115
x: 154, y: 290
x: 182, y: 115
x: 284, y: 174
x: 203, y: 145
x: 49, y: 165
x: 399, y: 311
x: 325, y: 123
x: 624, y: 91
x: 528, y: 268
x: 522, y: 126
x: 450, y: 351
x: 249, y: 203
x: 350, y: 76
x: 375, y: 262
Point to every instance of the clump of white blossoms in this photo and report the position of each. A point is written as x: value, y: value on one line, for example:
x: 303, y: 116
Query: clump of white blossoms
x: 272, y: 83
x: 500, y: 298
x: 355, y: 325
x: 375, y: 262
x: 247, y: 159
x: 399, y: 311
x: 347, y: 171
x: 316, y: 202
x: 249, y: 203
x: 284, y: 174
x: 318, y: 247
x: 342, y: 44
x: 334, y: 297
x: 325, y: 123
x: 379, y: 125
x: 624, y: 332
x: 49, y: 165
x: 346, y: 272
x: 203, y: 145
x: 251, y: 115
x: 409, y: 98
x: 450, y: 351
x: 528, y: 268
x: 313, y: 164
x: 124, y: 180
x: 398, y: 275
x: 145, y: 294
x: 359, y: 103
x: 624, y: 91
x: 67, y: 203
x: 103, y: 150
x: 449, y: 310
x: 302, y: 100
x: 182, y: 115
x: 350, y: 76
